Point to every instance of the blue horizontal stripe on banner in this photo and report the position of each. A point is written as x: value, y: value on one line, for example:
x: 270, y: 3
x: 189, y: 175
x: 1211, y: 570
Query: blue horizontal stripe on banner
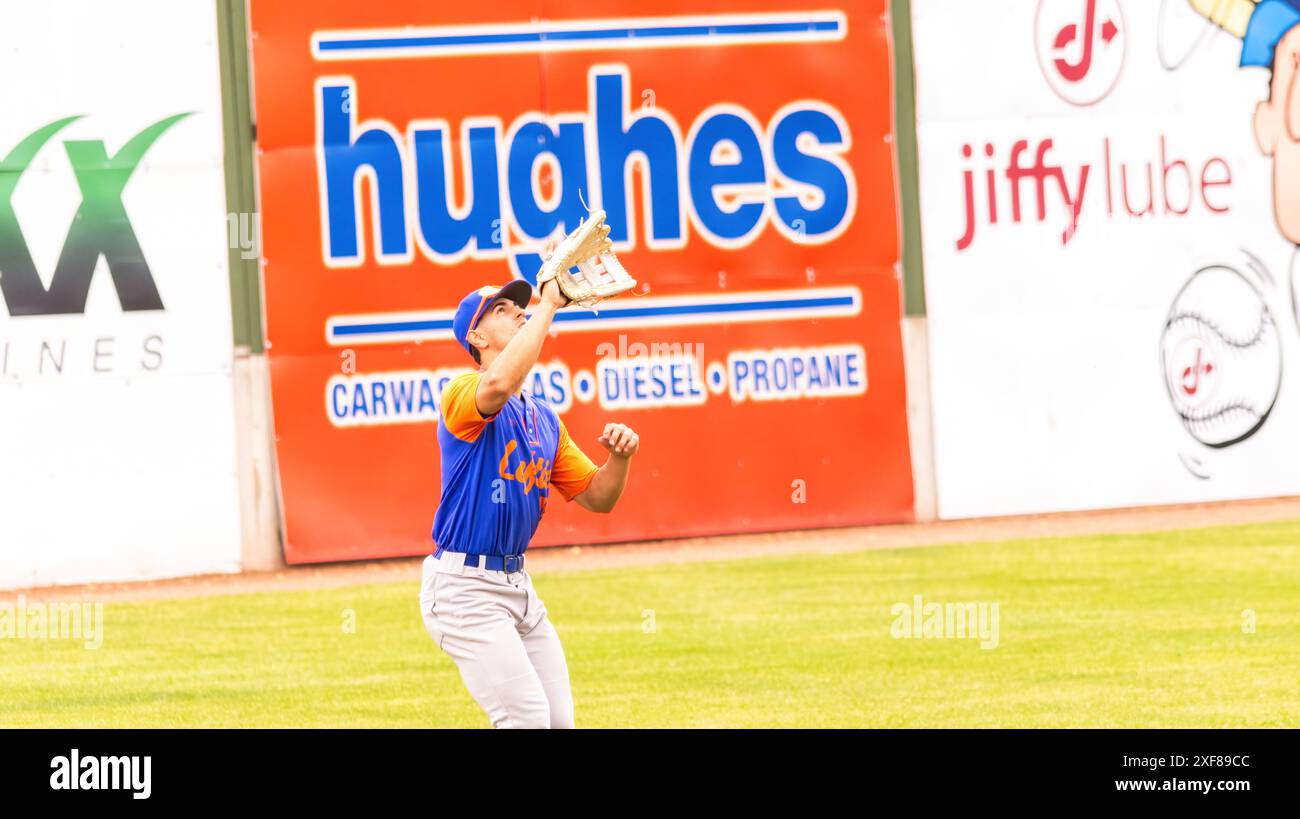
x: 391, y: 327
x: 379, y: 328
x: 706, y: 309
x: 515, y: 38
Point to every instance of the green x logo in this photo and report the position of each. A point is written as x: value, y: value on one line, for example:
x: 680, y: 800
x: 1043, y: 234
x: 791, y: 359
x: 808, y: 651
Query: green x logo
x: 101, y: 227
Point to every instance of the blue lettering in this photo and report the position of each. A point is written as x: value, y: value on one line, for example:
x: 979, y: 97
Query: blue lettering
x: 680, y: 374
x: 359, y: 399
x: 810, y: 170
x: 658, y: 387
x: 637, y: 375
x: 704, y: 176
x: 739, y: 372
x: 338, y: 394
x: 344, y: 157
x: 833, y: 374
x: 780, y: 374
x: 403, y: 393
x: 649, y: 135
x: 851, y: 365
x: 568, y: 147
x: 611, y: 383
x: 558, y: 388
x: 796, y: 371
x: 732, y: 169
x: 447, y: 235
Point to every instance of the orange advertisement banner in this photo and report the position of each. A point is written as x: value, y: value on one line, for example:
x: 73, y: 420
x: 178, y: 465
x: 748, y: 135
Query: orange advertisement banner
x: 409, y: 153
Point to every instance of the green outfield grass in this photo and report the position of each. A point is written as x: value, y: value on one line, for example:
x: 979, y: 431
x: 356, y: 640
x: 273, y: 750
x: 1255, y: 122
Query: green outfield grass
x: 1126, y: 630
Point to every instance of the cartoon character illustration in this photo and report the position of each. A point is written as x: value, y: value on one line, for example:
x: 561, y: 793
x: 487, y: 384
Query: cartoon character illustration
x: 1270, y: 38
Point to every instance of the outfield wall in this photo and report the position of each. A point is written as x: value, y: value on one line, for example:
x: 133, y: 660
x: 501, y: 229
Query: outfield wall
x: 1110, y: 291
x: 117, y: 427
x: 403, y: 163
x: 1091, y: 304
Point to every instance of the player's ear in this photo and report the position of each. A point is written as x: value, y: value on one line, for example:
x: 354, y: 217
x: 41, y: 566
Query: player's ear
x: 476, y: 338
x: 1267, y: 127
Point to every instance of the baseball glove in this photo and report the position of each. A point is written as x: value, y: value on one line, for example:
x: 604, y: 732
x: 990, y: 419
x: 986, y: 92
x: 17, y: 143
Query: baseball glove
x: 584, y: 265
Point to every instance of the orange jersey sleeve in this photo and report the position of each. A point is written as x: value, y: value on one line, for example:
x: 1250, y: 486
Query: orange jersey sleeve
x: 573, y: 470
x: 460, y: 412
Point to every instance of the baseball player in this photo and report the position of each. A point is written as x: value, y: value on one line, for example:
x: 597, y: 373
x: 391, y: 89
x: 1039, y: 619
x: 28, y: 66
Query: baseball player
x: 503, y: 451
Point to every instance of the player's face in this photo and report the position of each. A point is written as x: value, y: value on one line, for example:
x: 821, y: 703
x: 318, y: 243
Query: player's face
x: 500, y: 323
x: 1277, y: 127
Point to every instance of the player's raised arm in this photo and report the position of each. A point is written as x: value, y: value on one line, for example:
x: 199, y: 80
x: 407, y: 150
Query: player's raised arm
x: 504, y: 373
x: 599, y: 275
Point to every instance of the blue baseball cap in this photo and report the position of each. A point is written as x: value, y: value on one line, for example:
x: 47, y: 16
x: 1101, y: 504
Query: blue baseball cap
x: 1269, y: 23
x: 473, y: 306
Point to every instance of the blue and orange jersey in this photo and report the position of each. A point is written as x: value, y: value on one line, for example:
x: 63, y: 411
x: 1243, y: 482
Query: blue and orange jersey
x: 498, y: 471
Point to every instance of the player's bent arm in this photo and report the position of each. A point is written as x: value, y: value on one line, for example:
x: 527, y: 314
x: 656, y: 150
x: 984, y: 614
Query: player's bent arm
x: 506, y: 374
x: 602, y: 494
x: 607, y: 485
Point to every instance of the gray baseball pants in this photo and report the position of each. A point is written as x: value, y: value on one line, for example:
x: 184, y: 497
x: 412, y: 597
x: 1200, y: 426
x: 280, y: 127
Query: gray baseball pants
x: 494, y: 626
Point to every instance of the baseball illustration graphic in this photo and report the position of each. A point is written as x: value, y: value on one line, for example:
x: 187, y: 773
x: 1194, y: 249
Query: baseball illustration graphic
x: 1221, y: 357
x: 1295, y: 287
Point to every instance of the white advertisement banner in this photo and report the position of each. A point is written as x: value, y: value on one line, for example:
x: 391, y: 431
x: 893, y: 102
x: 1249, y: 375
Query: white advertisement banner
x: 117, y: 452
x: 1110, y: 204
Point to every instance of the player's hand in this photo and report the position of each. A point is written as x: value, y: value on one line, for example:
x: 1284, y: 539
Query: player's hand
x: 620, y: 440
x: 551, y: 292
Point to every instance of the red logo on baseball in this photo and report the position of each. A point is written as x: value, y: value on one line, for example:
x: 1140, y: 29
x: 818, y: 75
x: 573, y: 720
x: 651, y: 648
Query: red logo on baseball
x: 1196, y: 379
